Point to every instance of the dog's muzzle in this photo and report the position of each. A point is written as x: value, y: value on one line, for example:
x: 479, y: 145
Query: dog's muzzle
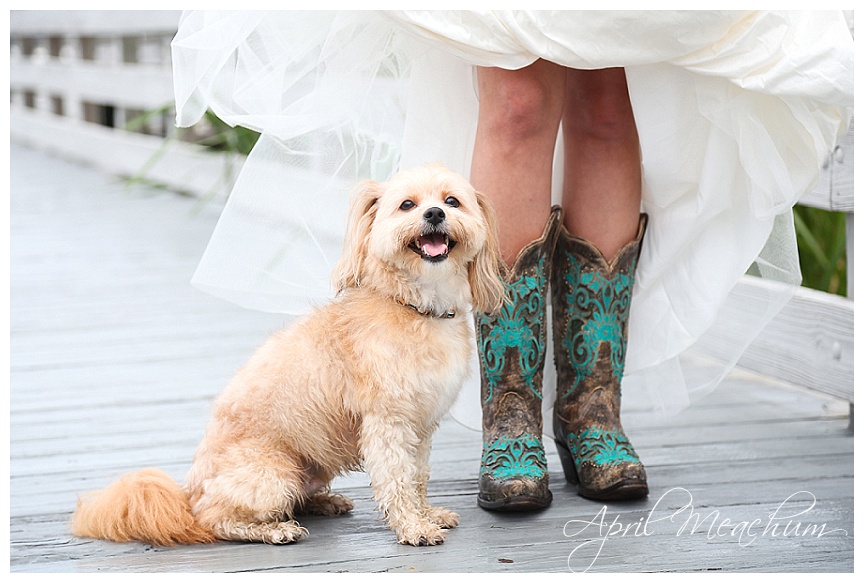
x: 434, y: 243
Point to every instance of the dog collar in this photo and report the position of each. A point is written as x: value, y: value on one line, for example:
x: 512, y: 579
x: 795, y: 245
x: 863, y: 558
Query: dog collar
x: 448, y: 315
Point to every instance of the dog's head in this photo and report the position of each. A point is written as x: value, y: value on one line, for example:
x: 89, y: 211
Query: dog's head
x: 426, y: 224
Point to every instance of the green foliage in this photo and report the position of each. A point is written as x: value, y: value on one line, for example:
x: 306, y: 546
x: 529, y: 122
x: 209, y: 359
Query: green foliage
x: 822, y: 249
x: 225, y: 138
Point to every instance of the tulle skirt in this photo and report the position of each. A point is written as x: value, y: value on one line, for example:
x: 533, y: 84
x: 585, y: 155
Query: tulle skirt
x: 736, y: 112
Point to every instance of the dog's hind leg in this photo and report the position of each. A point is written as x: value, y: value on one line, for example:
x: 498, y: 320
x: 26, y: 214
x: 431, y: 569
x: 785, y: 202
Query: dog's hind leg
x: 254, y: 500
x: 325, y: 503
x: 274, y: 533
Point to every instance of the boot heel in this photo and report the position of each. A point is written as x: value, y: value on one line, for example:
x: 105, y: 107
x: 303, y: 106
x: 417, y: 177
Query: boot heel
x: 567, y: 463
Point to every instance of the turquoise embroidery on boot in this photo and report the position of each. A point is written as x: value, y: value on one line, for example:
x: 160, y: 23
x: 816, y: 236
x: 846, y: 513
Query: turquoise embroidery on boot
x: 597, y: 309
x: 509, y: 457
x: 601, y: 447
x: 518, y: 325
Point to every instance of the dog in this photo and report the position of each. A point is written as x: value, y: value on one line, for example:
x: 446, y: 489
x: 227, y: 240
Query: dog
x: 360, y: 383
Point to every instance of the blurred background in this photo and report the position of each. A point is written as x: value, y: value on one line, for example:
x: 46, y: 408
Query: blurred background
x: 96, y: 87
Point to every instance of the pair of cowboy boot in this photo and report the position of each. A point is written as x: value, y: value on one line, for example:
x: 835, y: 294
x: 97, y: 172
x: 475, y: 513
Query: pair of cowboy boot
x: 590, y: 308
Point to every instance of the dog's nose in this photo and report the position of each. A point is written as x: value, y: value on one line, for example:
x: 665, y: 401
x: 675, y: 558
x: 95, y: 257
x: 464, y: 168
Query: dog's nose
x: 434, y: 215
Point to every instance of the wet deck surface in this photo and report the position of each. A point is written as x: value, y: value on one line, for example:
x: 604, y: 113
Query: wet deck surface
x: 115, y: 359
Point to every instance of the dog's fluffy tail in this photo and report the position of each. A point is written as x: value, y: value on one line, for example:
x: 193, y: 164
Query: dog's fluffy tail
x: 147, y: 506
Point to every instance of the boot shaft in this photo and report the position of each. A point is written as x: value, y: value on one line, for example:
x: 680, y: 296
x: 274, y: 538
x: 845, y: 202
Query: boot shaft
x: 512, y: 341
x: 591, y: 307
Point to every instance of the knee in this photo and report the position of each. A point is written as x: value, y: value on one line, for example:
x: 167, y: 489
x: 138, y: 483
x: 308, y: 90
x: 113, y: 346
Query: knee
x: 521, y: 108
x: 600, y: 110
x: 604, y: 122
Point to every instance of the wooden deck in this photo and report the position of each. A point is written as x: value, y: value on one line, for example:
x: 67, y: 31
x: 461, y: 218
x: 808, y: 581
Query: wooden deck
x: 115, y: 358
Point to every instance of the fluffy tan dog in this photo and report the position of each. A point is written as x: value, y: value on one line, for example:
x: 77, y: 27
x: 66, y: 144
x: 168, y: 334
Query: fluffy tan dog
x: 361, y: 382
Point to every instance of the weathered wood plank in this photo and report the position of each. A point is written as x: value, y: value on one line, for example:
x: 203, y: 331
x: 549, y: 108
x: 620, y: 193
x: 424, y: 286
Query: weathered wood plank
x: 93, y: 22
x: 133, y: 85
x: 836, y: 188
x: 539, y: 542
x: 809, y: 343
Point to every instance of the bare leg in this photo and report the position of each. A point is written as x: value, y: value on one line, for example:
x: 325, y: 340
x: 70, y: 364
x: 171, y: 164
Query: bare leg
x: 603, y: 172
x: 520, y: 113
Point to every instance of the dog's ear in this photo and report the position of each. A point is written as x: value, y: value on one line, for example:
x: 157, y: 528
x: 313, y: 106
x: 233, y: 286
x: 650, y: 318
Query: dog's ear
x: 349, y: 268
x: 487, y: 291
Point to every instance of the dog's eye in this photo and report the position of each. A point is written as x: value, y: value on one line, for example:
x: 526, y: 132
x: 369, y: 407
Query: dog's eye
x: 407, y: 205
x: 452, y: 201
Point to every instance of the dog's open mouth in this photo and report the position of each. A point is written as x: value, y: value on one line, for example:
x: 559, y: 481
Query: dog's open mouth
x: 432, y: 247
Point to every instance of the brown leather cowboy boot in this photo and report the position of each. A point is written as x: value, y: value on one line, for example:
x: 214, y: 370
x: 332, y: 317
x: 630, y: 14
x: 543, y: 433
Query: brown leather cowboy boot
x: 512, y: 347
x: 591, y: 306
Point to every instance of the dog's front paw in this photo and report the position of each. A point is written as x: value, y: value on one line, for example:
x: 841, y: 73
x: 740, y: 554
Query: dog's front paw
x: 443, y: 517
x: 421, y: 534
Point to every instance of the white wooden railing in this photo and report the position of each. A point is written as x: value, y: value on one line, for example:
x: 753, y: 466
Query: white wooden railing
x: 77, y: 77
x: 811, y: 341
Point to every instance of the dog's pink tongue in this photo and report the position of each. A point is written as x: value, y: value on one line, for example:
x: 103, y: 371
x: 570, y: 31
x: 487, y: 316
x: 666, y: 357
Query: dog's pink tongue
x: 433, y: 245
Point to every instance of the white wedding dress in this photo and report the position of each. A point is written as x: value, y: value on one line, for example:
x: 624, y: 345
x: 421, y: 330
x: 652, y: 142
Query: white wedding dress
x: 736, y: 111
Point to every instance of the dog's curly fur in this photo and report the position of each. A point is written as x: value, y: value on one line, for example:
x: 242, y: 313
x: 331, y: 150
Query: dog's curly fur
x: 361, y: 382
